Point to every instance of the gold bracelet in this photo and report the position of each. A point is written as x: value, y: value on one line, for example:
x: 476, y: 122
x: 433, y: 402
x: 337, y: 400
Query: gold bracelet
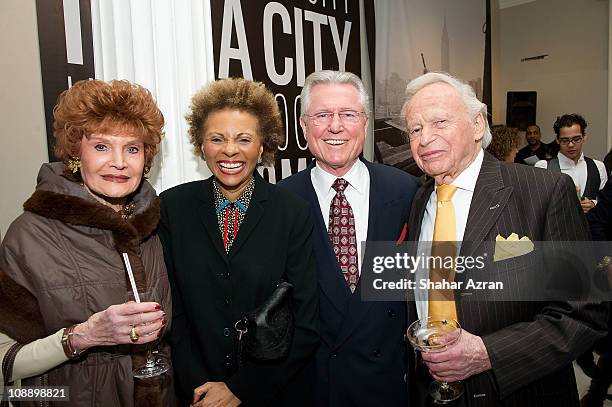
x: 69, y: 350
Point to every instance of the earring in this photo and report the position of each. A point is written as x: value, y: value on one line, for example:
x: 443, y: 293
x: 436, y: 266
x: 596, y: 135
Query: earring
x: 74, y: 164
x: 146, y: 169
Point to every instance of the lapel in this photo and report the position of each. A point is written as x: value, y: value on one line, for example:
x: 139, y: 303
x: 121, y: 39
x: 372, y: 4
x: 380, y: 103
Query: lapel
x: 415, y: 219
x: 489, y: 200
x: 418, y: 210
x: 377, y: 202
x: 208, y: 217
x: 331, y: 279
x: 254, y: 213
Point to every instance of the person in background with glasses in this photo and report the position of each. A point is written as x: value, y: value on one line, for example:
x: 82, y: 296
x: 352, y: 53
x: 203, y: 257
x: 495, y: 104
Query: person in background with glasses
x: 589, y: 175
x: 361, y: 359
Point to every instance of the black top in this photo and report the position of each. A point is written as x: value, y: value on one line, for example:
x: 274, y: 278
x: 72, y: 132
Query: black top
x: 544, y: 152
x: 212, y: 289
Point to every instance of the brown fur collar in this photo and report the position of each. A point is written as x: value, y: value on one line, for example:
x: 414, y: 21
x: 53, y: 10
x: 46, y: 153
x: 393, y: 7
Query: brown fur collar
x: 77, y: 211
x: 20, y: 317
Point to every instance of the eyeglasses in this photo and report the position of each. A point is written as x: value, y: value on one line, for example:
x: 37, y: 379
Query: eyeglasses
x: 574, y: 140
x: 345, y: 116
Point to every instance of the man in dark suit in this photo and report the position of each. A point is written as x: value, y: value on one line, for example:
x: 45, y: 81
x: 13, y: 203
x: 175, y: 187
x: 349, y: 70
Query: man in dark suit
x: 600, y: 220
x: 362, y: 357
x: 600, y: 224
x: 509, y: 353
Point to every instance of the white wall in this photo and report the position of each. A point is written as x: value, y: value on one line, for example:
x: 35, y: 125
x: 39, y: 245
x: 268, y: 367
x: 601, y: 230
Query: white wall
x: 498, y: 102
x: 573, y: 78
x: 23, y: 145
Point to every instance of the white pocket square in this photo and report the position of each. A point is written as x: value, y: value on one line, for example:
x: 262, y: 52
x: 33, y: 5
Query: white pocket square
x: 507, y: 248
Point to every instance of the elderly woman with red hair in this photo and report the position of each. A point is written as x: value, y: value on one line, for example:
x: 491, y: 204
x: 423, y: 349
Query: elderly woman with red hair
x: 65, y: 317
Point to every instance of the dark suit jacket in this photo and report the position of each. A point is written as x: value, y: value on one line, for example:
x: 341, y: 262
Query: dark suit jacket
x: 361, y: 360
x: 531, y: 345
x: 211, y: 290
x: 600, y: 217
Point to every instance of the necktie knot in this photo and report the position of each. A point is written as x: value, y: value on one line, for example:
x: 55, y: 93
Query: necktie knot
x: 445, y: 193
x: 339, y: 185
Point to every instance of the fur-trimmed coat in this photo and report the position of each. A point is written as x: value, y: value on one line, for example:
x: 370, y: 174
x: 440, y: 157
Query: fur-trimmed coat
x: 61, y: 262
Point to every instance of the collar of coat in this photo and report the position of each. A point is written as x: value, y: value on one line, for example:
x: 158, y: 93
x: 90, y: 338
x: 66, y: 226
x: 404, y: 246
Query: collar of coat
x: 75, y: 210
x: 58, y: 198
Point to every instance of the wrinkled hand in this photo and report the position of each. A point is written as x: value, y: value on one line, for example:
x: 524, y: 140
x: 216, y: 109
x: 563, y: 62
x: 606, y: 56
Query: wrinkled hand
x: 113, y: 325
x: 217, y: 394
x: 587, y: 205
x: 459, y: 361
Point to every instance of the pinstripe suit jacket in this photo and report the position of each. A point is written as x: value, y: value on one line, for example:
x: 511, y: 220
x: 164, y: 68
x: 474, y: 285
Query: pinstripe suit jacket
x: 531, y: 344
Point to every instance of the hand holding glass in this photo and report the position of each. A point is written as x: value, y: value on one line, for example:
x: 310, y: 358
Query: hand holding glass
x: 155, y: 364
x: 436, y: 335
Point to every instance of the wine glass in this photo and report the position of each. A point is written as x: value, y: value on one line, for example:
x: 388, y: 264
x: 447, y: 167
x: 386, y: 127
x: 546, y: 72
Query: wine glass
x: 155, y: 363
x: 422, y: 334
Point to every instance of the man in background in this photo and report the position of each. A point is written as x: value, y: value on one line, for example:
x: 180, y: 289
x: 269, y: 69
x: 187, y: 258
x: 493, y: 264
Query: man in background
x: 589, y: 175
x: 535, y: 149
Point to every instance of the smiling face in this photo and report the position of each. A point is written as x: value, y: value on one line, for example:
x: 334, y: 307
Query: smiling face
x: 231, y: 147
x: 336, y: 145
x: 112, y: 165
x: 533, y: 136
x: 444, y: 139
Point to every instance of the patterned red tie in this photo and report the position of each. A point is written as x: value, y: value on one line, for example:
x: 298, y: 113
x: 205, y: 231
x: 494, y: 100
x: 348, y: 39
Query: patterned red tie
x: 342, y: 234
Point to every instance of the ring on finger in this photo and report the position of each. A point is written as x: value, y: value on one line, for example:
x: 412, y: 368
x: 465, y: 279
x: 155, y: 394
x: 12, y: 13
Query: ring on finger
x: 134, y: 335
x: 155, y: 332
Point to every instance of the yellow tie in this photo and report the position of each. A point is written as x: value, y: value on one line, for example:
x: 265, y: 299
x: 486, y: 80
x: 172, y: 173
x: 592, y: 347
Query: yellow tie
x: 442, y: 302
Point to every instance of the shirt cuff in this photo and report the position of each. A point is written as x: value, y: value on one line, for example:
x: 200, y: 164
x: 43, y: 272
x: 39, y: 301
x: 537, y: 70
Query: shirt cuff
x: 39, y: 356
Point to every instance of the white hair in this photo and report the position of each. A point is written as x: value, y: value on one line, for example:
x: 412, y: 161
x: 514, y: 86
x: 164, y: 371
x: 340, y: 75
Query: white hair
x: 328, y: 77
x: 471, y: 102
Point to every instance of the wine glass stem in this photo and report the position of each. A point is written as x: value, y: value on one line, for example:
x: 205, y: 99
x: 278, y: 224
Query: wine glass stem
x: 150, y: 358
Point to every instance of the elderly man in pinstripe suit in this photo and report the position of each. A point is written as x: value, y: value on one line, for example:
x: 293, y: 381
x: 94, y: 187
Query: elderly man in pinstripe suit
x: 510, y: 353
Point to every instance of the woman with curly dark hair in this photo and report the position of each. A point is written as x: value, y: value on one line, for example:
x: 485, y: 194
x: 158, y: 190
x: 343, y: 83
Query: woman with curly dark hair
x: 65, y: 317
x: 228, y: 242
x: 504, y: 144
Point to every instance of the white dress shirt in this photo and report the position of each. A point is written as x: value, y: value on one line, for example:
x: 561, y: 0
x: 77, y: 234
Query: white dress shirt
x: 577, y: 170
x: 462, y: 199
x: 357, y: 194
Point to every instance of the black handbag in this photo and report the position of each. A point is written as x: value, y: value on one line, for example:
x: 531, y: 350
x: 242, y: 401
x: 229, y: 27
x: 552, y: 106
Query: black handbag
x: 266, y: 332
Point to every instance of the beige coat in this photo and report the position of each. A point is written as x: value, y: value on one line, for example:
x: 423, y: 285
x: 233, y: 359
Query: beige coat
x: 62, y: 263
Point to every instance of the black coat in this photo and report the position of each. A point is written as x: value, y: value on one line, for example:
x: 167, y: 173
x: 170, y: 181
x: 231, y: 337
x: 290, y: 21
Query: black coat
x: 211, y: 290
x: 361, y: 361
x: 600, y: 217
